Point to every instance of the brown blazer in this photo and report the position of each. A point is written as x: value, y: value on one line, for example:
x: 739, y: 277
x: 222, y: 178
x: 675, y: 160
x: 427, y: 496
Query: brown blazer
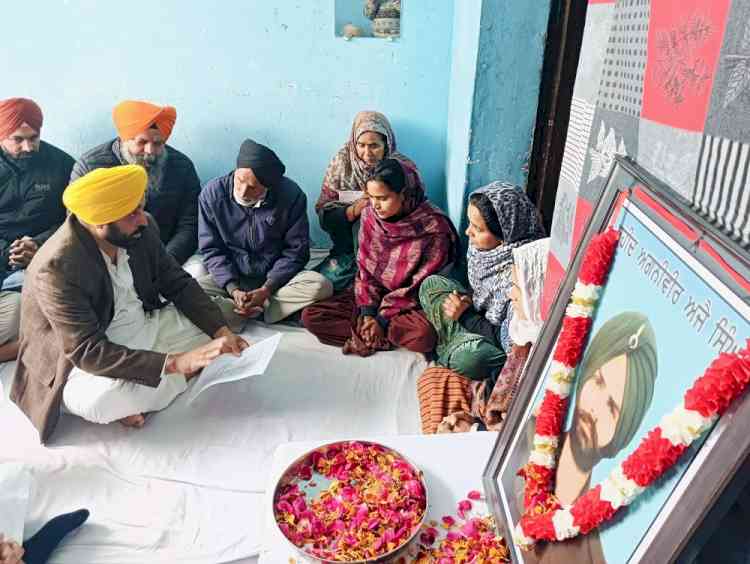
x: 67, y: 304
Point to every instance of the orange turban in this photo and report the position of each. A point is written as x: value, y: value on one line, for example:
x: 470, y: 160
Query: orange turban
x: 14, y: 112
x: 106, y: 194
x: 132, y: 117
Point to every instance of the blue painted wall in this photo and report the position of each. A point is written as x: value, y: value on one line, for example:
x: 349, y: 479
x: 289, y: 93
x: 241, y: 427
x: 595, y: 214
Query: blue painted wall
x: 466, y: 24
x: 508, y: 64
x: 269, y: 70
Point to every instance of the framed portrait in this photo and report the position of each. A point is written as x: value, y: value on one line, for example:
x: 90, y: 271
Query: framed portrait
x: 368, y: 18
x: 677, y: 295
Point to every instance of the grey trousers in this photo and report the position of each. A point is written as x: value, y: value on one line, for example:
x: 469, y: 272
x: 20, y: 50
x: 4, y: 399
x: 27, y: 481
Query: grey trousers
x: 305, y: 288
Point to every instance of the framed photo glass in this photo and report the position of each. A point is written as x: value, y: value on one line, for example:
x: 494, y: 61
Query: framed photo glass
x: 368, y: 18
x: 676, y: 297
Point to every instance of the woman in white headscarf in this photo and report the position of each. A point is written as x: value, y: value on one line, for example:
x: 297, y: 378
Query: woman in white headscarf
x: 491, y: 398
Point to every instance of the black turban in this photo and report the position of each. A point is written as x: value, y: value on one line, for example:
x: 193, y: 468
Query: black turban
x: 267, y: 167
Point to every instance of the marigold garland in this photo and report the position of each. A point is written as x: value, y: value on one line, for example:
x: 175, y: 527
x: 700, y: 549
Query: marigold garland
x: 545, y: 518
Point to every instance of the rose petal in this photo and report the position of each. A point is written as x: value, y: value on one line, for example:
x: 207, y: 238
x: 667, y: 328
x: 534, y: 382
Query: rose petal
x: 448, y: 521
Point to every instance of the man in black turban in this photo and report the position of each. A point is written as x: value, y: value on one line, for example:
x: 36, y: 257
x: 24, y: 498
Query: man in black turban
x: 254, y: 236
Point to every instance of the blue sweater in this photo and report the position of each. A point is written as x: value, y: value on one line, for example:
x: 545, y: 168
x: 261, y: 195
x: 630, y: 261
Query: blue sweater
x: 271, y: 242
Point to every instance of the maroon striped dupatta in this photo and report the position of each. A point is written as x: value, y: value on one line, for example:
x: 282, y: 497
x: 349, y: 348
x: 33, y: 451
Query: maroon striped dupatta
x: 396, y: 256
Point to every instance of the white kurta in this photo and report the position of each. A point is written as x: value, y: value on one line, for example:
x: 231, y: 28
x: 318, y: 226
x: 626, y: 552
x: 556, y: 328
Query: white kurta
x: 102, y: 399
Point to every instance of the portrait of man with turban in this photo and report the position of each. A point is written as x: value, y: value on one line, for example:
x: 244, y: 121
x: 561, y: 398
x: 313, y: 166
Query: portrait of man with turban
x: 33, y: 175
x: 143, y: 130
x: 614, y: 390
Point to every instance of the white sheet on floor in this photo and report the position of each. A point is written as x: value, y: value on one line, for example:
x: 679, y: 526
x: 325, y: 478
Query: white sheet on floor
x: 15, y: 488
x: 189, y: 486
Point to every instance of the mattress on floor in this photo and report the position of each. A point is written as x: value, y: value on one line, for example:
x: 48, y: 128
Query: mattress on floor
x: 189, y: 486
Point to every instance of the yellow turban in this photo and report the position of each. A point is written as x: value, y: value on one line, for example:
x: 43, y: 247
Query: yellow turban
x: 106, y: 194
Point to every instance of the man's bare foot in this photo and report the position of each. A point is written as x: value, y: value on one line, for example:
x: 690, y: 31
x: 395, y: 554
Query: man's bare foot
x: 136, y: 420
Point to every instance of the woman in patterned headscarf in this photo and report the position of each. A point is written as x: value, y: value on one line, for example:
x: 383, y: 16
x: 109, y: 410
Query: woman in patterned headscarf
x: 473, y: 330
x: 342, y: 196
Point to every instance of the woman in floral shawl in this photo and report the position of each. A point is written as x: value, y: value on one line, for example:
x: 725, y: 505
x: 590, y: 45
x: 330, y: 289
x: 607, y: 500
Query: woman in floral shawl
x: 403, y: 240
x: 473, y: 330
x: 342, y: 196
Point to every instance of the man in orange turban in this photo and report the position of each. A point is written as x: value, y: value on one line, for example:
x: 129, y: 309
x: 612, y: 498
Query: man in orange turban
x: 96, y: 334
x: 33, y: 175
x: 143, y: 129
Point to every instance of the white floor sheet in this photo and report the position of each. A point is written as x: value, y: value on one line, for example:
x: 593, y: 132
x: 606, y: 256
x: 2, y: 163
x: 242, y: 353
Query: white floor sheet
x: 189, y: 486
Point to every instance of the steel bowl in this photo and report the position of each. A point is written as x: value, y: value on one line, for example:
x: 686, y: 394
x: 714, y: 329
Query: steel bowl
x: 290, y: 476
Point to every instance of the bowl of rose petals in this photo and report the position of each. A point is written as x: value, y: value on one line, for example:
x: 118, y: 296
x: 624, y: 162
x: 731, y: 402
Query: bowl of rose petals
x: 350, y: 501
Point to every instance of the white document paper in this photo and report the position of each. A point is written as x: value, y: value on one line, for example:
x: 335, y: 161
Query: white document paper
x: 229, y: 368
x: 350, y: 196
x: 15, y: 486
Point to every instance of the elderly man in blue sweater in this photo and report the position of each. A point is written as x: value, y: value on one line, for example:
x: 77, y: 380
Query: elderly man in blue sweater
x: 254, y: 236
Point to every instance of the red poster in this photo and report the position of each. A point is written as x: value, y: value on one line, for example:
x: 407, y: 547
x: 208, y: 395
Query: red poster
x: 584, y: 209
x: 684, y: 41
x: 552, y: 281
x: 555, y: 270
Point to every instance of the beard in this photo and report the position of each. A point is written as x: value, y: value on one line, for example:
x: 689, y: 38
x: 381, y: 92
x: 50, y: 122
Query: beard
x: 119, y: 239
x: 147, y: 161
x: 22, y: 160
x: 154, y: 165
x: 584, y: 440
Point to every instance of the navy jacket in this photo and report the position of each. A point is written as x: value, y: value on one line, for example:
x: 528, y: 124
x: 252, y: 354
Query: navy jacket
x: 270, y: 242
x: 31, y: 200
x: 174, y: 206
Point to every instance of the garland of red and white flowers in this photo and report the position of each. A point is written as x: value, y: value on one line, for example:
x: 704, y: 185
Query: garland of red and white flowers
x: 545, y: 518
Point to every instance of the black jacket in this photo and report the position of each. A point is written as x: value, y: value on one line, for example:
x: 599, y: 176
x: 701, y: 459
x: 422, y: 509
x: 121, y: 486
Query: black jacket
x: 31, y: 200
x: 174, y: 206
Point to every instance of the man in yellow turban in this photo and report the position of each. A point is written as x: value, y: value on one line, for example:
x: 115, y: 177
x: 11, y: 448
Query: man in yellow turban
x: 33, y: 175
x: 143, y: 130
x: 96, y: 336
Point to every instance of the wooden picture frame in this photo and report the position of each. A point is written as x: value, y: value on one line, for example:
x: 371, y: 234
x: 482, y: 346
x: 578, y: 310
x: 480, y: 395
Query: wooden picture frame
x: 709, y: 261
